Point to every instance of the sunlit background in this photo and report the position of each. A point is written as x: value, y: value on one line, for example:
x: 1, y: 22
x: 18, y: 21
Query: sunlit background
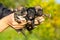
x: 48, y: 30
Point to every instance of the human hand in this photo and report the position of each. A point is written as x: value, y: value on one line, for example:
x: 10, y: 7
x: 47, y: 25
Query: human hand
x: 39, y: 20
x: 16, y: 25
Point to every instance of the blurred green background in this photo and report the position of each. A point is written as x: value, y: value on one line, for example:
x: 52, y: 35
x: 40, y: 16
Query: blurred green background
x: 48, y: 30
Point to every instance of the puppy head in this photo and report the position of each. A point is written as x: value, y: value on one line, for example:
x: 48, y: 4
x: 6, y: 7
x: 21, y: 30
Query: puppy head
x: 39, y: 11
x: 19, y: 15
x: 31, y: 12
x: 24, y: 12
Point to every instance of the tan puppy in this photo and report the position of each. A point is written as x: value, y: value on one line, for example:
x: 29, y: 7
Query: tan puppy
x: 39, y: 19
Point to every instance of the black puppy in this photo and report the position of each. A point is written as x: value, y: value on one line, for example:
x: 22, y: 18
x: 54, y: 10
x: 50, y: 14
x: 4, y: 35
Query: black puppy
x: 30, y: 17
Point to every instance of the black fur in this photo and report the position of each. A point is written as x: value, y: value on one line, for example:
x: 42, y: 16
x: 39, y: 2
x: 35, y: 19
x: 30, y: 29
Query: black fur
x: 4, y: 11
x: 30, y: 13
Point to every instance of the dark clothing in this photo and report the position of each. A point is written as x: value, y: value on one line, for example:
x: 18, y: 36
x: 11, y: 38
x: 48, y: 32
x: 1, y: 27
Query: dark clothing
x: 4, y: 11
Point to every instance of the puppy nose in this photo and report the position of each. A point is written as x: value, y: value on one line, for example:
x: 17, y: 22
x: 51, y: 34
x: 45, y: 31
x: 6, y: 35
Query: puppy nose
x: 30, y: 17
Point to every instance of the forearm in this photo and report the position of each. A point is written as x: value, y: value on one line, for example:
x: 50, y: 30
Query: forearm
x: 3, y: 24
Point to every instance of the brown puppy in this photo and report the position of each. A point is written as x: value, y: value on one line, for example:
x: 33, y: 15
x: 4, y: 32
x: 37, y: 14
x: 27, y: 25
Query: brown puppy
x: 39, y: 13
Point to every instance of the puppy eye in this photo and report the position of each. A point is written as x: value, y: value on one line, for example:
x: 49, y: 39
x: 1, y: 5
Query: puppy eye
x: 40, y: 10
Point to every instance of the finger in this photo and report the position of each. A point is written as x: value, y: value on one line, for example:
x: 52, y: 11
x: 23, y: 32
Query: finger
x: 14, y: 23
x: 36, y: 22
x: 18, y: 27
x: 41, y: 19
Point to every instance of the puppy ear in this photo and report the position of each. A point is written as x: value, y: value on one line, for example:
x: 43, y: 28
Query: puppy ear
x: 21, y: 8
x: 38, y: 7
x: 24, y: 9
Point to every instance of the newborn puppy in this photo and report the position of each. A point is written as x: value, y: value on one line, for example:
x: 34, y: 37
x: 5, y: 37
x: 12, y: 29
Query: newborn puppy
x: 30, y: 18
x: 39, y: 11
x: 39, y: 14
x: 19, y: 15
